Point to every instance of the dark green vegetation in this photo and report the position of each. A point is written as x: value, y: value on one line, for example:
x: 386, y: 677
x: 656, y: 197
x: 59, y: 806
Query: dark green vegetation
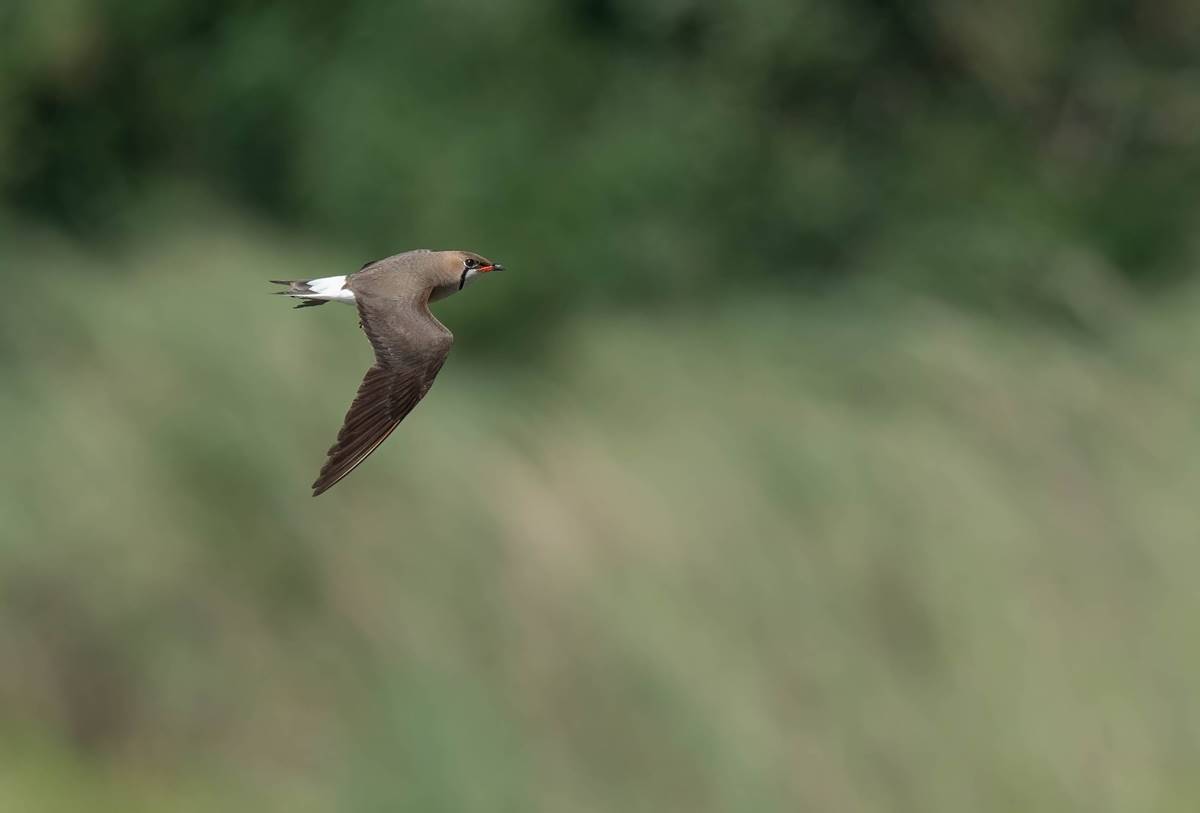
x: 680, y: 148
x: 831, y: 443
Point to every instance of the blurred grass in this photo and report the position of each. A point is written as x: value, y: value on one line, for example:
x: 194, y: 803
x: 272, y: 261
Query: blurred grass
x: 868, y: 553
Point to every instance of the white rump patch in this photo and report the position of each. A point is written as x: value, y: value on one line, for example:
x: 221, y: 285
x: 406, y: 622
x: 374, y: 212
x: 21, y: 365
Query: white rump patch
x: 330, y: 288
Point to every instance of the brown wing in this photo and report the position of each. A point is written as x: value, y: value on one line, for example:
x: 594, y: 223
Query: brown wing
x: 410, y: 347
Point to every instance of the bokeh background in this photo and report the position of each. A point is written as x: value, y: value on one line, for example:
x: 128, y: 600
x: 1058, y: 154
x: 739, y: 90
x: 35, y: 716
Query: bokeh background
x: 832, y: 443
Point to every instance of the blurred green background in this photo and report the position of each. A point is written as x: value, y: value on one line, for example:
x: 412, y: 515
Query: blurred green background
x: 831, y: 443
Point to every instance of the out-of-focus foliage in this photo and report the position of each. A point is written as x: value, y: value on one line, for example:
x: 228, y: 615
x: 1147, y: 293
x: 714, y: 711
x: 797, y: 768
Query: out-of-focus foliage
x: 672, y: 147
x: 760, y: 482
x: 846, y: 556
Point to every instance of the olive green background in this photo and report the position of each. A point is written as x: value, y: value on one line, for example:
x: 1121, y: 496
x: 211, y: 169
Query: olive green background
x: 829, y: 444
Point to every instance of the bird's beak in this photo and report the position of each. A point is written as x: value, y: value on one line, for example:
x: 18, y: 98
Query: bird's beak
x: 483, y: 269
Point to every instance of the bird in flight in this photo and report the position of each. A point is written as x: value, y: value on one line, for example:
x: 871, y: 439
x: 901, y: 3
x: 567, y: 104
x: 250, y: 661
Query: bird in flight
x: 392, y: 296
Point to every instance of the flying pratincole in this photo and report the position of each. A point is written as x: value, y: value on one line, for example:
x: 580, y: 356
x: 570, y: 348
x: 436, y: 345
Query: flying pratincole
x: 392, y: 296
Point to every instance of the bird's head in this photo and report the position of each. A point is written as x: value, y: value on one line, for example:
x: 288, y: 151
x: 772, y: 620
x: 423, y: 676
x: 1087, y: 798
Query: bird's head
x: 468, y: 266
x: 450, y: 271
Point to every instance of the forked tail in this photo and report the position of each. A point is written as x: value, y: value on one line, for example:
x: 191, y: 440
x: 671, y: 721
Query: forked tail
x: 312, y: 292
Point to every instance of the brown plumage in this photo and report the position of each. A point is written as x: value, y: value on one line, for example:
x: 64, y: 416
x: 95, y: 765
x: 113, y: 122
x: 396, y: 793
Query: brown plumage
x: 392, y: 297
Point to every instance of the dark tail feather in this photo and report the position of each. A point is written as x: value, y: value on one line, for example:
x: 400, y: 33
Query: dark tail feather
x: 297, y: 287
x: 294, y: 286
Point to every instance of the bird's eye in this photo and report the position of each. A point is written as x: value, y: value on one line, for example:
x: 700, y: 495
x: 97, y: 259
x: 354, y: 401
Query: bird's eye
x: 471, y: 263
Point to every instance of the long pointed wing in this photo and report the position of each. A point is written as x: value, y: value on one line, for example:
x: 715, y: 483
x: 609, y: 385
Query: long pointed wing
x: 410, y: 348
